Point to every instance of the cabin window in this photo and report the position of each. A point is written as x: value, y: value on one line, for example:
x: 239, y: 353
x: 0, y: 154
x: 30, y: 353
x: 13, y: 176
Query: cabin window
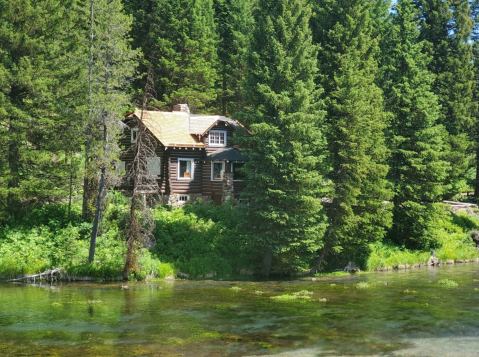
x: 134, y: 134
x: 238, y: 174
x: 217, y: 170
x: 154, y: 165
x: 183, y: 198
x: 217, y: 138
x: 185, y: 169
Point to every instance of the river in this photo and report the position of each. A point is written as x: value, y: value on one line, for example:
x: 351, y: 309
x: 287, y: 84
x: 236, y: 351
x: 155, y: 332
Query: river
x: 400, y: 313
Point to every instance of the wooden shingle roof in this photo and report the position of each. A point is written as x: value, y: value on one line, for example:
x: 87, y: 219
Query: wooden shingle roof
x: 179, y: 128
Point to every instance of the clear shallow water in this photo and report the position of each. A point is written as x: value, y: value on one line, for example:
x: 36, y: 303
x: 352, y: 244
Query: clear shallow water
x: 208, y: 318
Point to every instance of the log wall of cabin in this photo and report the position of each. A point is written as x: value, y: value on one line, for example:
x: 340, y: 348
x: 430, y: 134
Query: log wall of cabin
x: 215, y: 187
x: 192, y: 186
x: 127, y: 154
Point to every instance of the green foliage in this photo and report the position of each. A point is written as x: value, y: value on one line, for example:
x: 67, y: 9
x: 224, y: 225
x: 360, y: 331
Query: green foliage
x: 285, y: 221
x: 387, y: 256
x: 39, y: 87
x: 179, y: 38
x: 200, y: 239
x: 355, y: 125
x: 450, y: 234
x: 446, y: 26
x: 418, y: 169
x: 234, y: 23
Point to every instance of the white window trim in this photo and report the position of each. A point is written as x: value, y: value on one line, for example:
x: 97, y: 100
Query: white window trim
x: 134, y: 134
x: 218, y: 131
x: 192, y: 174
x: 159, y: 165
x: 183, y: 198
x: 224, y: 170
x: 232, y: 172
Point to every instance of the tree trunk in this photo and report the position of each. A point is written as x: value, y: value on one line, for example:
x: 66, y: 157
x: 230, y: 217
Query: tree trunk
x: 267, y: 263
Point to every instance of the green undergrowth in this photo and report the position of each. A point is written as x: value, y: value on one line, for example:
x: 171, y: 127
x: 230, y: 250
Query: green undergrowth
x: 201, y: 239
x: 451, y: 241
x: 47, y: 238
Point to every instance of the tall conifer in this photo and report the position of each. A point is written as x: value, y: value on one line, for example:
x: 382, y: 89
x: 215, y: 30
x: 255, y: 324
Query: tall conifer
x: 234, y: 24
x: 355, y: 126
x: 418, y: 169
x: 284, y: 182
x: 446, y: 27
x: 39, y: 72
x: 179, y: 38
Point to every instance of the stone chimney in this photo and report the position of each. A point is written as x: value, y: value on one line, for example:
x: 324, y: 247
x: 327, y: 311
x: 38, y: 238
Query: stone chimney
x: 181, y: 108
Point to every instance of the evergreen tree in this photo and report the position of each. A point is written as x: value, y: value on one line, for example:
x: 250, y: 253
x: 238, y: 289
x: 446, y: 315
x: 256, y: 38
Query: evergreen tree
x: 355, y: 127
x: 234, y: 24
x: 284, y: 182
x: 418, y: 169
x: 179, y: 38
x: 39, y: 72
x: 446, y: 27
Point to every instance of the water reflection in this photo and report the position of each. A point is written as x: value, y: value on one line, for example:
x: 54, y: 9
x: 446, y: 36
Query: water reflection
x: 404, y: 313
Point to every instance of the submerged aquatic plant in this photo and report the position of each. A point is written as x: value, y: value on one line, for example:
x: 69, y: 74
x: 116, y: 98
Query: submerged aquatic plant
x: 447, y: 282
x: 235, y: 288
x: 300, y: 295
x: 476, y: 289
x: 257, y: 292
x: 363, y: 285
x: 407, y: 291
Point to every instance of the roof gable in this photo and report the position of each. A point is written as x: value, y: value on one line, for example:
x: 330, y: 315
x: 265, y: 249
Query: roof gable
x: 180, y: 128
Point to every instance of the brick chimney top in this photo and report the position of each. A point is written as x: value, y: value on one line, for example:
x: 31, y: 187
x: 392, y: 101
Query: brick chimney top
x: 181, y: 108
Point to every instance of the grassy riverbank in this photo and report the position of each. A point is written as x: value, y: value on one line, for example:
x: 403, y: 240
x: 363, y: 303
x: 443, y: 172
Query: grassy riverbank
x: 200, y: 240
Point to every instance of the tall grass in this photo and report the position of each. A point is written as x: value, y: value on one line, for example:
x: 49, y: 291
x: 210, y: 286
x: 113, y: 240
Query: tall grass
x: 452, y: 236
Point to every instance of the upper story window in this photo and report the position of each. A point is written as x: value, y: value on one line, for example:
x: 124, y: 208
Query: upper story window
x: 217, y: 138
x: 186, y: 169
x: 134, y: 134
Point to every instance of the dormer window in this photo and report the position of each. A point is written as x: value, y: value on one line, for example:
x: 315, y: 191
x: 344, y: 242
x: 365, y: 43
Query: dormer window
x: 134, y: 134
x: 217, y: 138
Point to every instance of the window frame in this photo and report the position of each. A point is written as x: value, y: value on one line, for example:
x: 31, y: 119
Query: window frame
x: 134, y: 134
x: 224, y: 132
x: 223, y: 163
x: 192, y: 169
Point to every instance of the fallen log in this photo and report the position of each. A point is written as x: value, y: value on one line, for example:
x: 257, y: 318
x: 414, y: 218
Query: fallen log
x: 49, y: 275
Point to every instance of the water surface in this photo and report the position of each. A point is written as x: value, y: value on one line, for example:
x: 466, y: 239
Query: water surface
x: 406, y: 313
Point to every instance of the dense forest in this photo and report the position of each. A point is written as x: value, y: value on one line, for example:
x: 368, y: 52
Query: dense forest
x: 363, y: 117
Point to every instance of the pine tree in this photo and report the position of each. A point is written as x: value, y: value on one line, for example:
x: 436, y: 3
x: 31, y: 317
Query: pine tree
x: 446, y: 27
x: 355, y: 127
x: 234, y: 24
x: 179, y: 38
x: 39, y: 71
x: 284, y: 182
x: 418, y: 169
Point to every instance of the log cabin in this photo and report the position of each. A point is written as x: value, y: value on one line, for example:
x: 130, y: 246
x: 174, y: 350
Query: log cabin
x: 195, y: 154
